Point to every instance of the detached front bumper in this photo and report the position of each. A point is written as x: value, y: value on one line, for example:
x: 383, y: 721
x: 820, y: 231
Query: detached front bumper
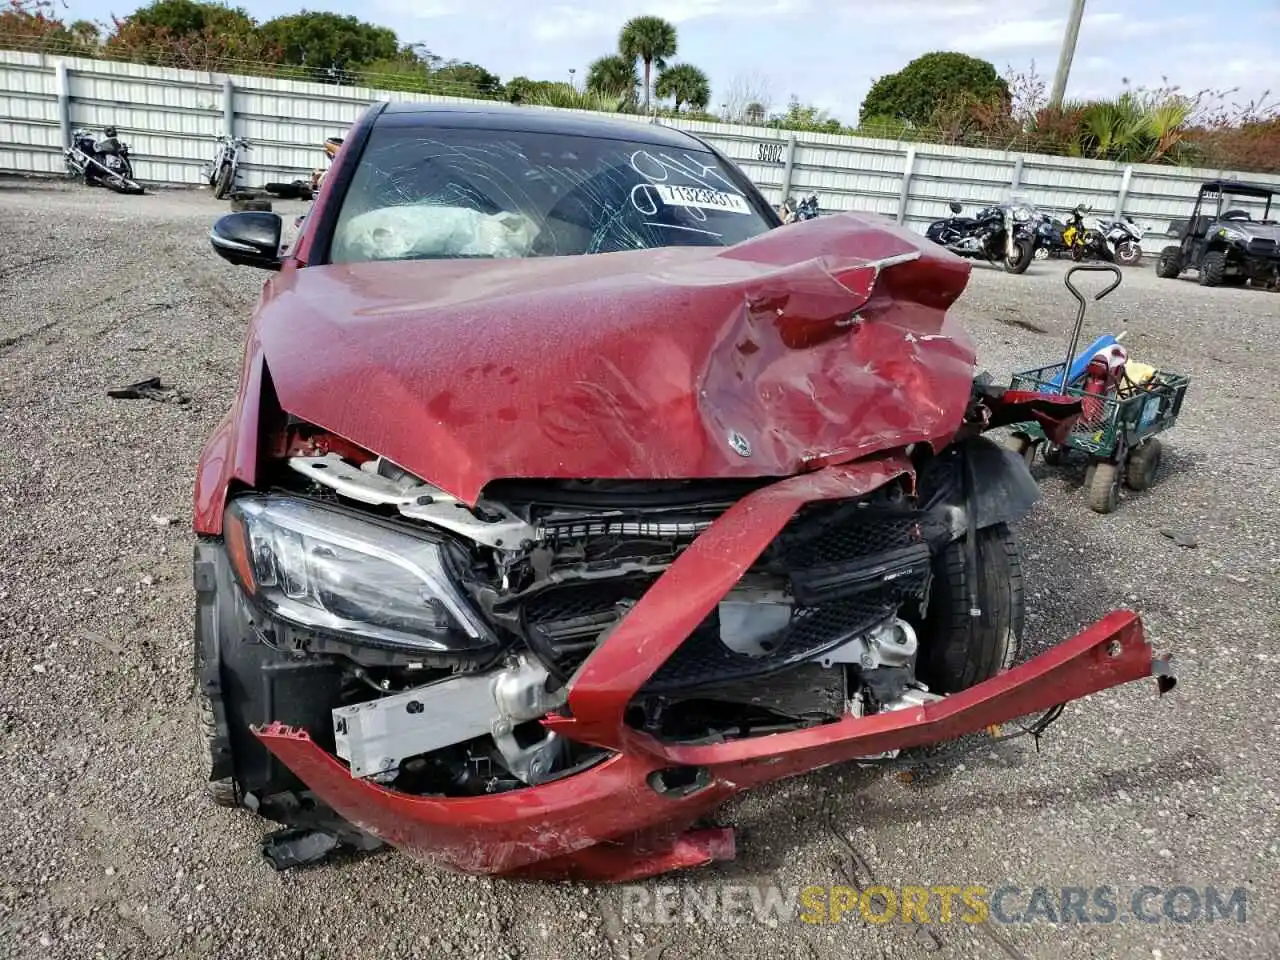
x: 617, y: 821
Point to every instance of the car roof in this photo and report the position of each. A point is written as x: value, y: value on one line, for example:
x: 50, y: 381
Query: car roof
x: 1239, y: 187
x: 526, y: 119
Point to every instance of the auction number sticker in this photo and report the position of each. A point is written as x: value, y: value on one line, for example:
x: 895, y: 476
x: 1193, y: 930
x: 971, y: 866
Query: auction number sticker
x: 704, y: 198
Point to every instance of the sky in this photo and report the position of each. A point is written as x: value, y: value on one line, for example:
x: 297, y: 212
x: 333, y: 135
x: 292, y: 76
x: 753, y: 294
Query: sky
x: 828, y: 52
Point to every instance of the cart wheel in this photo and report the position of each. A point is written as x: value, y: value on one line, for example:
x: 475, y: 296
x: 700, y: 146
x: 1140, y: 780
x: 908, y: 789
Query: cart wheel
x: 1022, y: 445
x: 1144, y: 463
x: 1102, y: 486
x: 1053, y: 454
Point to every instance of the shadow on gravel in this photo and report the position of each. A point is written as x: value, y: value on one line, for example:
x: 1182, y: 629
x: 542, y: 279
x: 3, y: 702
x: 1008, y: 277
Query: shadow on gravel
x: 1190, y: 763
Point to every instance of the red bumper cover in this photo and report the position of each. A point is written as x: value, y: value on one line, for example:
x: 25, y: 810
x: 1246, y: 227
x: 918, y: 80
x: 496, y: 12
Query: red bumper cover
x: 609, y: 822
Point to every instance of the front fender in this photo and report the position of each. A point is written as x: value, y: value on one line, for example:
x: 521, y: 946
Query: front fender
x: 231, y: 453
x: 978, y: 475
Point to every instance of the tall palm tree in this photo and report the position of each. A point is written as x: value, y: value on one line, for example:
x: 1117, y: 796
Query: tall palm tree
x: 651, y: 40
x: 613, y: 75
x: 684, y: 83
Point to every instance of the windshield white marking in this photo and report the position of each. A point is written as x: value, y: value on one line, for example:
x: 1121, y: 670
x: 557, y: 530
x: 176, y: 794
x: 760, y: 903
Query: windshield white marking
x: 672, y: 226
x: 657, y: 169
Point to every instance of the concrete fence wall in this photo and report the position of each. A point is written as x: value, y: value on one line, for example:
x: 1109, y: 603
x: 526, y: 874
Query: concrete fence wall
x: 169, y: 118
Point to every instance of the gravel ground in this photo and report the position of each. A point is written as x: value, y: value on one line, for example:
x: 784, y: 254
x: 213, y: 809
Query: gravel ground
x: 110, y: 849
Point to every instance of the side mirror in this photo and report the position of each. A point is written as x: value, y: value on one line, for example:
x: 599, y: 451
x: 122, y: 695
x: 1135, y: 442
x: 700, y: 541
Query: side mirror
x: 954, y: 207
x: 248, y: 239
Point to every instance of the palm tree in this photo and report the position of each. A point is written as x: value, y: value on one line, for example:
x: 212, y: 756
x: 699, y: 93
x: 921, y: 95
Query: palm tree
x: 613, y: 75
x: 651, y: 40
x: 684, y: 83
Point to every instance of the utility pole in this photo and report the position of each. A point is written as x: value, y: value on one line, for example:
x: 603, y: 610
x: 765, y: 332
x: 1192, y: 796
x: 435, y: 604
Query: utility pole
x: 1068, y: 51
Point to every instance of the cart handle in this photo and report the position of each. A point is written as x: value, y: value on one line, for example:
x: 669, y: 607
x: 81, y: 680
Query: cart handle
x: 1075, y: 292
x: 1092, y: 268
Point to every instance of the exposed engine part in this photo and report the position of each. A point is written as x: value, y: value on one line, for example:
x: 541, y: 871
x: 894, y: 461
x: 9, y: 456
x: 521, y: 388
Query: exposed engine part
x: 892, y: 644
x: 532, y: 763
x: 914, y: 695
x: 415, y: 500
x: 375, y: 737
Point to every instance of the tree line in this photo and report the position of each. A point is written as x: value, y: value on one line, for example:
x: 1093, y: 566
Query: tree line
x: 943, y: 97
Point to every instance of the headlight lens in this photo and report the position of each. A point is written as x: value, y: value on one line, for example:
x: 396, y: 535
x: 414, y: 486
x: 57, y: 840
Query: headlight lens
x: 327, y: 570
x: 1229, y: 234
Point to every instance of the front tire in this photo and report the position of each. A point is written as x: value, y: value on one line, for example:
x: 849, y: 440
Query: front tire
x: 1023, y: 254
x: 1102, y: 487
x: 223, y: 185
x: 1169, y: 266
x: 1213, y: 268
x: 224, y: 792
x: 1129, y: 254
x: 959, y: 649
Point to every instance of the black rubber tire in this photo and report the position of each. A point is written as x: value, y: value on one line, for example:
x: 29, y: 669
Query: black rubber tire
x: 1024, y: 253
x: 1102, y: 487
x: 1213, y: 268
x: 1143, y: 465
x: 222, y: 186
x: 1053, y: 454
x: 222, y: 792
x: 1169, y: 266
x: 1129, y: 254
x: 959, y: 650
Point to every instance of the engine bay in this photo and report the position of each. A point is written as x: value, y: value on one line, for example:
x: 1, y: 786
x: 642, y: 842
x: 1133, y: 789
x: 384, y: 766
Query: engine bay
x: 824, y: 625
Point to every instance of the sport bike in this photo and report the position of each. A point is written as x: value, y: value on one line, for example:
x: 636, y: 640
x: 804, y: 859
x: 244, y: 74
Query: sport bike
x: 1124, y: 238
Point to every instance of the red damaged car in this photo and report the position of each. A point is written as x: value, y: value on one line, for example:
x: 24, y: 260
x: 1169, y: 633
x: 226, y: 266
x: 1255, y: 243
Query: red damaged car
x: 568, y: 493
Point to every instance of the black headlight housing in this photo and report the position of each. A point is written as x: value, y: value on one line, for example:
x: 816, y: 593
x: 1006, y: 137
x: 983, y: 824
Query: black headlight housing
x: 333, y: 571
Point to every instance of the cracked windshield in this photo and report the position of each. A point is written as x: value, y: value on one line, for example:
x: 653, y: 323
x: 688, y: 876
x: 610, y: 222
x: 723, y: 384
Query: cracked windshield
x: 481, y: 193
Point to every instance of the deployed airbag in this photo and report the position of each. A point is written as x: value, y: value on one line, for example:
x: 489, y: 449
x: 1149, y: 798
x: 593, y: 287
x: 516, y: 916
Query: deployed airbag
x: 433, y: 230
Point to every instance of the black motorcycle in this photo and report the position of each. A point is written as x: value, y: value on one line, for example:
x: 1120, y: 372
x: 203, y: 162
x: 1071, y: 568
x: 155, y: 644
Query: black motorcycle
x: 101, y: 163
x: 806, y: 209
x: 1003, y: 234
x: 1049, y: 240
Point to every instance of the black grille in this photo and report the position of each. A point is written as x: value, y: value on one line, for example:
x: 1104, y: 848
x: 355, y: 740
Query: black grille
x: 841, y: 542
x: 569, y: 602
x: 849, y: 567
x: 703, y: 660
x: 1262, y: 247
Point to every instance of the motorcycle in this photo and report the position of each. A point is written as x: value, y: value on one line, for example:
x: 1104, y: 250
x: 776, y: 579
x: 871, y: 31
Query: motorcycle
x: 1003, y: 233
x: 1049, y: 237
x: 101, y: 163
x: 806, y: 209
x: 221, y: 172
x: 1124, y: 238
x: 1086, y: 237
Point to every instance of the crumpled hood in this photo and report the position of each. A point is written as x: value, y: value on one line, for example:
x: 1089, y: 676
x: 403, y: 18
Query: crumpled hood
x: 815, y: 343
